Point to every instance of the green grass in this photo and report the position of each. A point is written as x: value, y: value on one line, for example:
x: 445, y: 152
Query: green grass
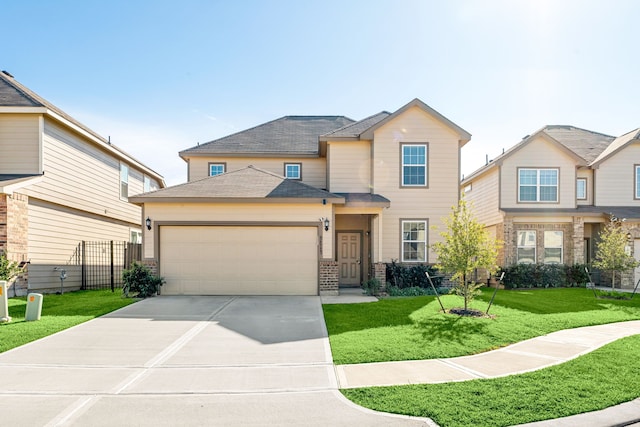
x: 595, y: 381
x: 414, y: 328
x: 59, y: 312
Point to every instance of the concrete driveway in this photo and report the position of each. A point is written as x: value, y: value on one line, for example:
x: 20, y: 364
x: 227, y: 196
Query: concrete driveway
x: 188, y: 361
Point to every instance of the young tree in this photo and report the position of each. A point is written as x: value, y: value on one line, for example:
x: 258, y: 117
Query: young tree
x: 466, y: 247
x: 612, y: 254
x: 8, y: 269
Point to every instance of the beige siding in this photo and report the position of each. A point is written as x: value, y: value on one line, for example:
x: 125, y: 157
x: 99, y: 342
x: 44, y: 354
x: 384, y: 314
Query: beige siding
x: 615, y: 178
x: 432, y: 203
x: 484, y: 197
x: 237, y: 212
x: 313, y: 170
x: 54, y: 235
x: 81, y: 176
x: 538, y: 153
x: 588, y: 175
x: 349, y: 166
x: 19, y: 143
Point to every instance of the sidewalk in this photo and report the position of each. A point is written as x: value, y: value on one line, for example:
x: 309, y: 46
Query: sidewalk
x: 530, y: 355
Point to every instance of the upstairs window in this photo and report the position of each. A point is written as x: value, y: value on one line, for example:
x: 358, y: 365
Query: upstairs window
x: 146, y: 184
x: 293, y: 171
x: 414, y: 241
x: 637, y: 181
x: 537, y: 185
x: 216, y: 168
x: 581, y: 189
x: 414, y: 165
x: 124, y: 182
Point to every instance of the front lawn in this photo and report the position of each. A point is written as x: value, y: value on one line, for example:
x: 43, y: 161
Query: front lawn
x: 414, y: 328
x: 595, y: 381
x: 58, y: 312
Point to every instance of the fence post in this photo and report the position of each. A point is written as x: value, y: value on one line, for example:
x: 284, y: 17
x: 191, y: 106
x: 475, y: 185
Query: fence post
x: 112, y: 273
x: 83, y: 258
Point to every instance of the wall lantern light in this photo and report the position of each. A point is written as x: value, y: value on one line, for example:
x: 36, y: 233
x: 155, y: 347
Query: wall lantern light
x: 326, y: 224
x: 148, y: 222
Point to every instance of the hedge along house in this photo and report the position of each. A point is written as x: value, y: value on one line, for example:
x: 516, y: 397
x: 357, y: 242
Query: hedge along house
x: 305, y: 204
x: 550, y: 195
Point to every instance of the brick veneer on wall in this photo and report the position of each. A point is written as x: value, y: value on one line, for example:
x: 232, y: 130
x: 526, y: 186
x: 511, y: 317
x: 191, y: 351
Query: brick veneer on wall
x: 328, y: 277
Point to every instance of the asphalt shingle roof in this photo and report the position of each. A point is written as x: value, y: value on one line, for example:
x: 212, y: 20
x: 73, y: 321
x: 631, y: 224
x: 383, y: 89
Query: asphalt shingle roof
x: 356, y: 128
x: 289, y: 134
x: 585, y: 143
x: 247, y: 183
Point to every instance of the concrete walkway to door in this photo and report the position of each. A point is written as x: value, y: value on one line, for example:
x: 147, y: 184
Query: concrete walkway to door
x: 187, y: 361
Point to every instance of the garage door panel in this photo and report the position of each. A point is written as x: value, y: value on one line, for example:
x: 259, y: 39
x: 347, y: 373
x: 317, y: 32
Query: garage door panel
x: 239, y: 260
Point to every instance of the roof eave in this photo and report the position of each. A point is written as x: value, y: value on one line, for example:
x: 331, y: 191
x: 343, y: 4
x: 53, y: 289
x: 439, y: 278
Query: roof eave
x: 140, y: 200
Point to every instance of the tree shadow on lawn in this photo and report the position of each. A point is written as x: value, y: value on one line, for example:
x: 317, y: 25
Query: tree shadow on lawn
x: 452, y: 328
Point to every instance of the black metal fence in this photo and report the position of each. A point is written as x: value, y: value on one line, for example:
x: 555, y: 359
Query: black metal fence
x: 102, y: 262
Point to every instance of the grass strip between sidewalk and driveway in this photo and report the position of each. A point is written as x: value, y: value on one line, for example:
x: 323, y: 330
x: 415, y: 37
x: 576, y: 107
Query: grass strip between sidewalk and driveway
x: 59, y: 312
x: 595, y: 381
x: 414, y: 328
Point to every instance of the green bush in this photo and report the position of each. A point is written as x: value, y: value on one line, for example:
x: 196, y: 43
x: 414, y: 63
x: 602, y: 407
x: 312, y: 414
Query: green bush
x: 544, y: 276
x: 415, y: 291
x: 372, y: 286
x: 8, y: 269
x: 409, y: 276
x: 139, y: 279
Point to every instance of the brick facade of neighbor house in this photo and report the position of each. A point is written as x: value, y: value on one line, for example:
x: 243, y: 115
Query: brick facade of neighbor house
x: 14, y: 230
x: 328, y: 277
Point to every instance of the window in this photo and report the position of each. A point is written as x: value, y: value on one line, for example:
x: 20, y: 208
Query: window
x: 136, y: 236
x: 581, y: 189
x: 414, y: 241
x: 147, y: 184
x: 538, y: 185
x: 414, y: 165
x: 216, y: 168
x: 526, y: 251
x: 553, y: 247
x: 293, y: 170
x: 124, y: 182
x: 637, y: 181
x: 467, y: 188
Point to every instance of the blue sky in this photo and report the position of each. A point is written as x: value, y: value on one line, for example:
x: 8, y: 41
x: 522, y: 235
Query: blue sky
x: 160, y: 76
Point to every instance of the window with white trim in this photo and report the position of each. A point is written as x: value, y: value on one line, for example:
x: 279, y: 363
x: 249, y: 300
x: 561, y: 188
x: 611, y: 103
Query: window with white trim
x: 414, y: 241
x: 414, y: 165
x: 537, y: 185
x: 146, y: 184
x: 526, y: 249
x: 293, y: 171
x: 553, y: 242
x: 216, y: 168
x: 637, y: 181
x: 124, y: 182
x: 136, y: 236
x: 581, y: 189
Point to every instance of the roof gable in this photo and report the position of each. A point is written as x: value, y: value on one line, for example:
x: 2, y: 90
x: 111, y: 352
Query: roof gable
x: 354, y: 130
x: 293, y: 135
x: 249, y: 183
x: 617, y: 144
x: 463, y: 135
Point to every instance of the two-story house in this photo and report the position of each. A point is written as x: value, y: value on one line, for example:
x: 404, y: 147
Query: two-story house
x: 549, y: 196
x: 305, y: 204
x: 60, y: 184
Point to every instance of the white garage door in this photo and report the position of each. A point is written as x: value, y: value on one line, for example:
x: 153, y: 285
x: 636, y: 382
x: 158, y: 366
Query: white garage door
x: 239, y: 260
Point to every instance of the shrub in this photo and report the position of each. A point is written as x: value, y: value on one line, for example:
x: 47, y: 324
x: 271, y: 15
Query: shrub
x: 139, y: 279
x: 404, y: 276
x: 544, y: 276
x: 8, y: 269
x: 372, y: 286
x: 415, y: 291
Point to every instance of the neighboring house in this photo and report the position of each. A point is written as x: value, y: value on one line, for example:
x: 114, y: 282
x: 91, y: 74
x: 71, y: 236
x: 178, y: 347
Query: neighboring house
x: 60, y: 184
x: 305, y: 204
x: 549, y: 196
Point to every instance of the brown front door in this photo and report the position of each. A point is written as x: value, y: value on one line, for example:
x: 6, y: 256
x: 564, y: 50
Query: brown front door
x: 349, y: 258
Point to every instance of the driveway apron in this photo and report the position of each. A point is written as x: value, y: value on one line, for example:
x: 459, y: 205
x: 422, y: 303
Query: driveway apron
x: 189, y: 361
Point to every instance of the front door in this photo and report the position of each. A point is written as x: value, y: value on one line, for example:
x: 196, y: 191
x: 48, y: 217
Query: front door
x: 349, y: 258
